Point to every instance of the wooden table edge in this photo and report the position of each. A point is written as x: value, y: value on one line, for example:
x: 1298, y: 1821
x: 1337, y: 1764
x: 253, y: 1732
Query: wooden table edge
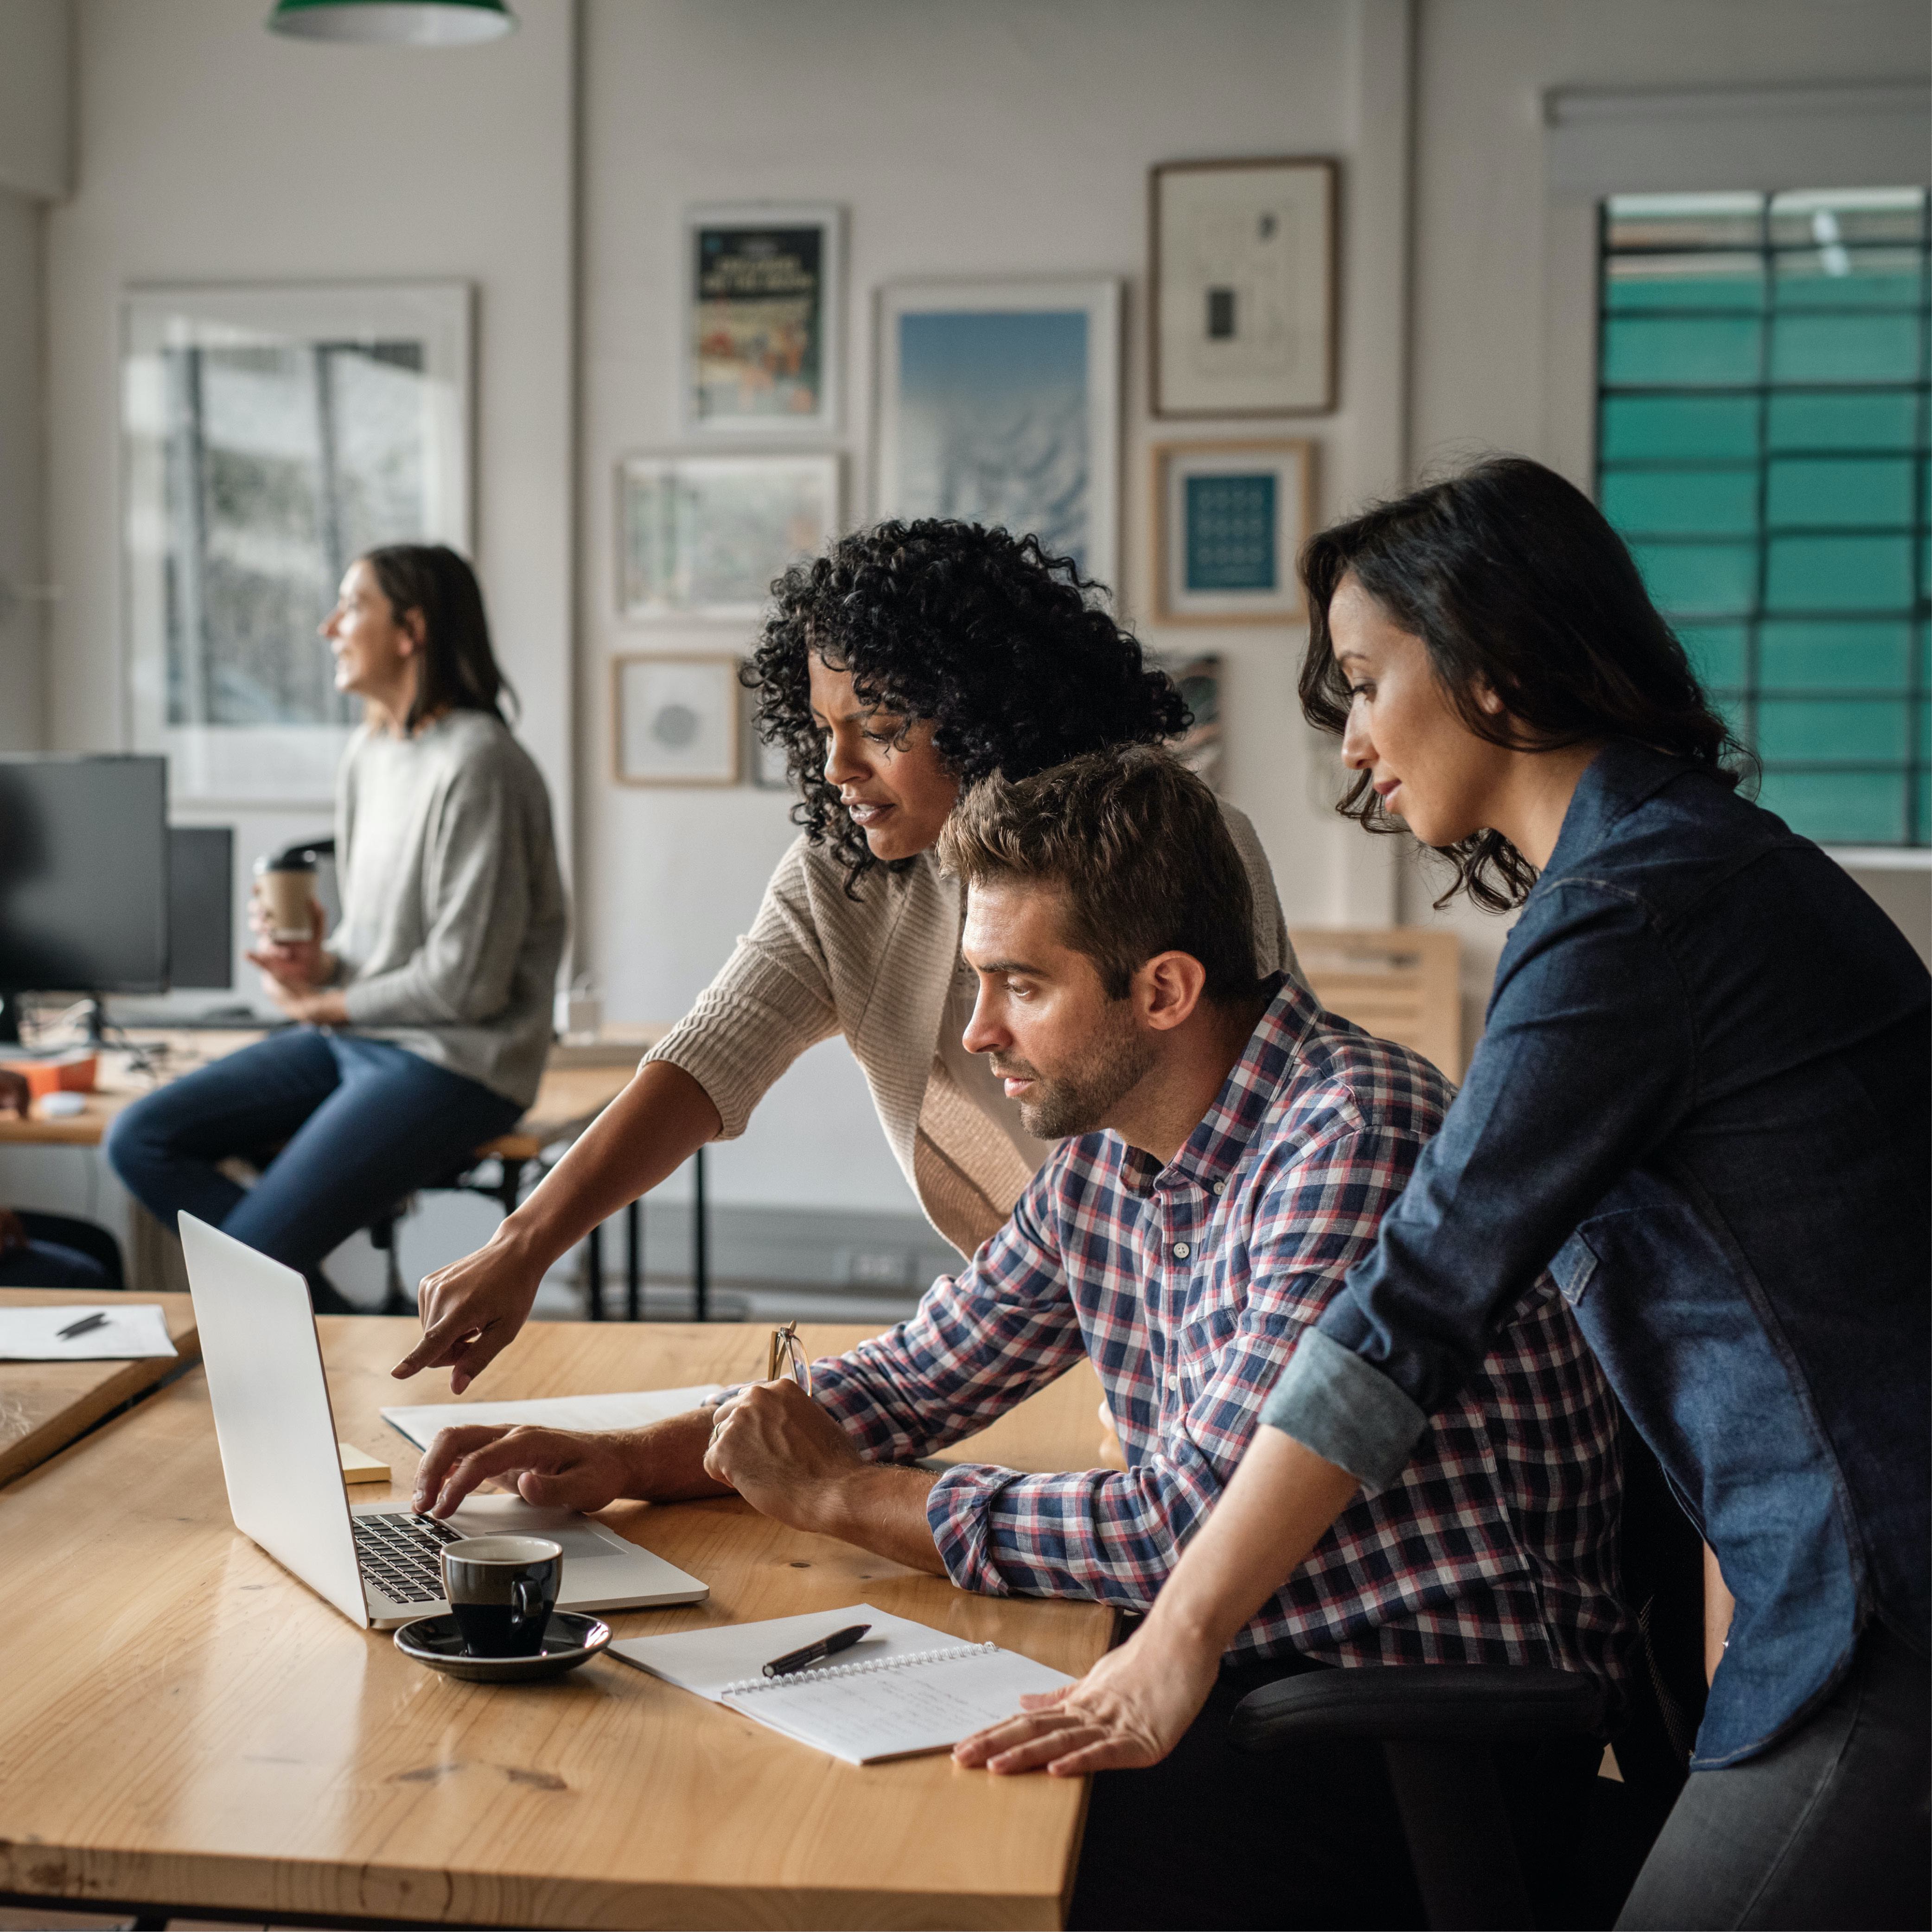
x: 317, y: 1893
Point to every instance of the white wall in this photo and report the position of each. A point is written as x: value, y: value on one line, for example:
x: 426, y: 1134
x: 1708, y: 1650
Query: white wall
x: 36, y: 158
x: 22, y: 550
x: 996, y: 139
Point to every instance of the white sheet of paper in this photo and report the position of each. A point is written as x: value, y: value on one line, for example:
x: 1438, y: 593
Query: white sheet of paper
x: 420, y: 1422
x: 133, y: 1331
x: 861, y: 1718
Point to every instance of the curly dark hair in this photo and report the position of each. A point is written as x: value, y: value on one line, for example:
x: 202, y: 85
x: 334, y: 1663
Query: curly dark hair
x: 984, y: 633
x: 1510, y: 576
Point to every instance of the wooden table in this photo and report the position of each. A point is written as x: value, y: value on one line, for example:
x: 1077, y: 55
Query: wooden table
x: 580, y: 1081
x: 44, y: 1405
x: 184, y: 1725
x: 577, y: 1088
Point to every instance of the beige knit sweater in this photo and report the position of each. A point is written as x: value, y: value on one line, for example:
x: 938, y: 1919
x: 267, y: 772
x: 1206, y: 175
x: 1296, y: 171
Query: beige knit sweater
x: 877, y: 969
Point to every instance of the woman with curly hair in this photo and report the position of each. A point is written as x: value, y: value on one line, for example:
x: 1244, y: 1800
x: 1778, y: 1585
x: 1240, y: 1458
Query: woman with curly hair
x: 907, y: 662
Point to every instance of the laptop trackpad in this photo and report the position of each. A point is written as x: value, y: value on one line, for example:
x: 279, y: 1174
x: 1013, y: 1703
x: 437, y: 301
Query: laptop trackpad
x: 510, y: 1516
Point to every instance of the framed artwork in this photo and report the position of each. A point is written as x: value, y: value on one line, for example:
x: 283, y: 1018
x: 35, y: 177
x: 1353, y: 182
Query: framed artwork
x: 764, y: 332
x: 1243, y: 256
x: 676, y: 720
x: 270, y: 434
x: 999, y: 403
x: 1198, y: 676
x: 765, y: 764
x: 704, y: 536
x: 1230, y: 519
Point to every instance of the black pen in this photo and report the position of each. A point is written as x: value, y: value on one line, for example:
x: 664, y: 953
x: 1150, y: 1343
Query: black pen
x: 816, y: 1653
x: 96, y: 1320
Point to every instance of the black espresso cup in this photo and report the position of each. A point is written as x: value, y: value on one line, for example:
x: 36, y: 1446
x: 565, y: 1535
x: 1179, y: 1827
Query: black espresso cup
x: 501, y: 1590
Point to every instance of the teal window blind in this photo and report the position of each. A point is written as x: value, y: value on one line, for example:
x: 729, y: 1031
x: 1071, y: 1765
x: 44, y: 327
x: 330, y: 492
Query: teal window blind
x: 1763, y: 418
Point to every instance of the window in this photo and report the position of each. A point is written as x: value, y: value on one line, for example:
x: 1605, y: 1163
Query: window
x: 270, y: 435
x: 1763, y: 407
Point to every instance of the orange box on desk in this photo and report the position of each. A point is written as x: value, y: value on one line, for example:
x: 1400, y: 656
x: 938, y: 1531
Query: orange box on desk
x: 68, y: 1073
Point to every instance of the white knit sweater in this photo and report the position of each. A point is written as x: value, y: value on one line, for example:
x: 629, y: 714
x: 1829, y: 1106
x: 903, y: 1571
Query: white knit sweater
x: 877, y: 969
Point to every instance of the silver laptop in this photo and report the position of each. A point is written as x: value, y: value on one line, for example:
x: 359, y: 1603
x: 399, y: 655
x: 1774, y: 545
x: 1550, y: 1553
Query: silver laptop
x: 376, y: 1564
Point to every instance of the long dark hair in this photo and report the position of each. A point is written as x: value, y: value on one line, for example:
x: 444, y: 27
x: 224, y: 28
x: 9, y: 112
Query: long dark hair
x: 991, y: 638
x: 1511, y: 576
x: 459, y: 670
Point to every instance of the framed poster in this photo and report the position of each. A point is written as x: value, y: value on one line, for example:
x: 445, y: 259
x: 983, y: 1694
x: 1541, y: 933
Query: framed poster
x: 1198, y: 676
x: 1242, y: 256
x: 1230, y: 519
x: 676, y: 720
x: 270, y: 434
x: 999, y: 404
x: 764, y: 332
x: 704, y: 536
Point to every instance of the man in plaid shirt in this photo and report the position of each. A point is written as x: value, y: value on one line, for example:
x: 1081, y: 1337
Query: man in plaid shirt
x: 1228, y: 1150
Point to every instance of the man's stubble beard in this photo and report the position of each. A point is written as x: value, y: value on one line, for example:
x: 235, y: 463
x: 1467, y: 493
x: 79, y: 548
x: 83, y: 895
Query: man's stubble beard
x: 1079, y: 1101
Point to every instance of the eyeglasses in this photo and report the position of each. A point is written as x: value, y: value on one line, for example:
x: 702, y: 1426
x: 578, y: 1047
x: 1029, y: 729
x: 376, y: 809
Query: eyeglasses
x: 787, y: 1357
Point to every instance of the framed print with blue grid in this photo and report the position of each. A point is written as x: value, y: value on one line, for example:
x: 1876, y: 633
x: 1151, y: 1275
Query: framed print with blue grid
x: 1230, y: 519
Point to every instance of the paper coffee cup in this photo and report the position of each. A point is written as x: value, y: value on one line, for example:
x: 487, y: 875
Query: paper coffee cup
x: 286, y: 891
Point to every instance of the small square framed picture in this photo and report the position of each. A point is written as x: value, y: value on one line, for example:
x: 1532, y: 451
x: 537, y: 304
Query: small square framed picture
x: 1230, y: 519
x: 676, y: 720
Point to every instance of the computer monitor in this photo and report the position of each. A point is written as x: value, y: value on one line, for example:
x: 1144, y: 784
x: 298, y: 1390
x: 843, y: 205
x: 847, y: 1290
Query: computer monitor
x: 201, y: 906
x: 83, y: 876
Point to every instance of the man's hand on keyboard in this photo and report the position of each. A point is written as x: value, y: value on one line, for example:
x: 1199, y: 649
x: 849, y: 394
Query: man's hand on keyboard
x: 557, y: 1469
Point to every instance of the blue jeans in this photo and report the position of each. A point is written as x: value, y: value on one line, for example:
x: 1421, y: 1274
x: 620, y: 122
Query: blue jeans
x: 48, y: 1264
x: 342, y: 1128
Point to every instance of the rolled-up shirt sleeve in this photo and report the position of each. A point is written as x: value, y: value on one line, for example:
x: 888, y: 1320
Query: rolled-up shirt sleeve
x: 1586, y: 1063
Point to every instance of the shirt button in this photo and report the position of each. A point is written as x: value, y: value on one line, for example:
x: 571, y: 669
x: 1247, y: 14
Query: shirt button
x: 1173, y: 1381
x: 1182, y: 1249
x: 1220, y: 1187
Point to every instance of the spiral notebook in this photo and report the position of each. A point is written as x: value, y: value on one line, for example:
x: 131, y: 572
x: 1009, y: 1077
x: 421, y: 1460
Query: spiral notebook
x: 904, y: 1689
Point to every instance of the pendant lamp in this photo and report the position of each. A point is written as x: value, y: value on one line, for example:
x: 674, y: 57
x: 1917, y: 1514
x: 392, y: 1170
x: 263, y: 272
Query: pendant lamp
x: 415, y: 23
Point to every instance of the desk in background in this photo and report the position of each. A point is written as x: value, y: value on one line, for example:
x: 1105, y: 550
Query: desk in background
x: 44, y: 1405
x: 199, y: 1730
x: 581, y: 1080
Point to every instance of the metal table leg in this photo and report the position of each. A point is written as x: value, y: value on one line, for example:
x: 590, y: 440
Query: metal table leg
x: 634, y: 1261
x: 701, y: 1245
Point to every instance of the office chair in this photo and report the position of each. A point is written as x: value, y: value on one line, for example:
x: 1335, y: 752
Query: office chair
x: 83, y: 1236
x: 1439, y: 1725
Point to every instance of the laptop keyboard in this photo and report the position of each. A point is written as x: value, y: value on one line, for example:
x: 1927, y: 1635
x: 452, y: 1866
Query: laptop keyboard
x: 397, y: 1554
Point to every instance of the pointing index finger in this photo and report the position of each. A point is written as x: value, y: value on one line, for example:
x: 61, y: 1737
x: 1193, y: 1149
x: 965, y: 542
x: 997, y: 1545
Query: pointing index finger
x: 442, y: 1343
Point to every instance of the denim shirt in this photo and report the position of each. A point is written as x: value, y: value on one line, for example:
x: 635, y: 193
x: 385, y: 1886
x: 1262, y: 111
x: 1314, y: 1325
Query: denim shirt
x: 1701, y: 1098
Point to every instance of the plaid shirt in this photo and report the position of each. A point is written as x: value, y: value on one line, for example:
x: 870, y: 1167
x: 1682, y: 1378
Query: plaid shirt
x: 1187, y: 1287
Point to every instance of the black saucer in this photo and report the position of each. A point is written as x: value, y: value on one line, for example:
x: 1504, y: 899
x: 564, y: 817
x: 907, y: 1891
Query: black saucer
x: 569, y: 1640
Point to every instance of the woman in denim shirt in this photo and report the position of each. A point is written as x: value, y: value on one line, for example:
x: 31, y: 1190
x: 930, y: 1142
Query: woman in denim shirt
x: 1701, y: 1098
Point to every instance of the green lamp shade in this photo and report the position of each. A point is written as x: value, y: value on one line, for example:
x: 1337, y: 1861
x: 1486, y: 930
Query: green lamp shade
x: 415, y: 23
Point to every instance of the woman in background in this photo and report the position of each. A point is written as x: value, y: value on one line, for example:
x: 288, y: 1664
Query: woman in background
x: 426, y: 1018
x: 907, y: 662
x: 1701, y: 1098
